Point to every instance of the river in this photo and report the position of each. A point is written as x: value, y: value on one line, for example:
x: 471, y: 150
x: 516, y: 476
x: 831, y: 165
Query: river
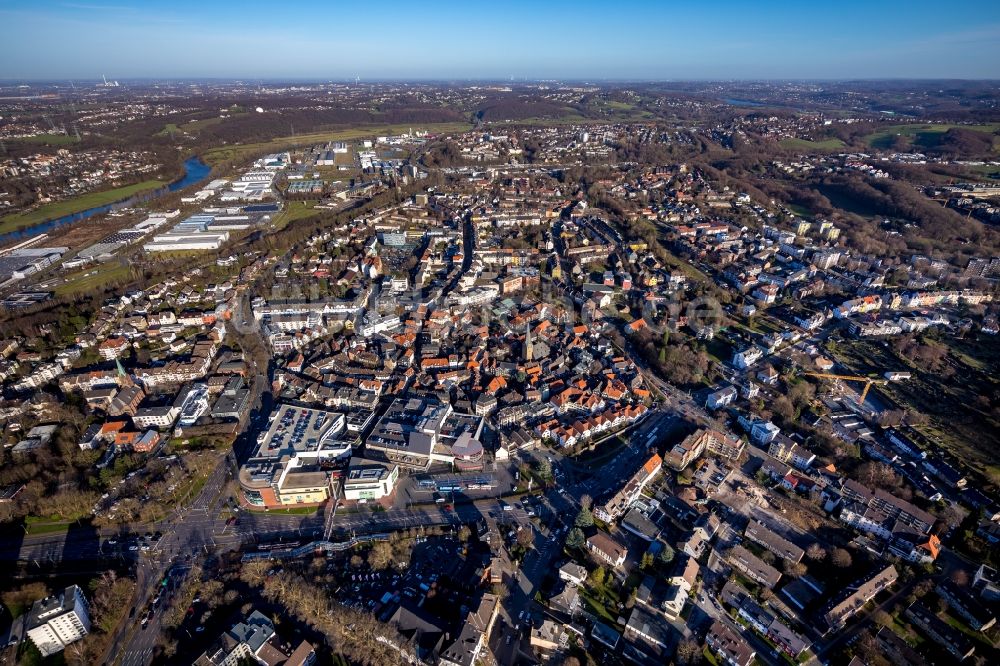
x: 195, y: 171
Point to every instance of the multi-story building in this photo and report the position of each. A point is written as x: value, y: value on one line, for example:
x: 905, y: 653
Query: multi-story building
x: 417, y: 432
x: 881, y: 513
x: 369, y: 480
x: 753, y: 567
x: 858, y: 595
x: 623, y: 499
x: 987, y: 581
x: 254, y: 641
x: 468, y: 646
x: 56, y: 621
x: 156, y: 417
x: 946, y: 636
x: 975, y: 613
x: 780, y: 546
x: 688, y: 450
x: 785, y: 450
x: 295, y: 458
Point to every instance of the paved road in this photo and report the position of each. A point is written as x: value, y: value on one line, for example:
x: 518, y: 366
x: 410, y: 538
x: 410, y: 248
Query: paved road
x: 187, y: 531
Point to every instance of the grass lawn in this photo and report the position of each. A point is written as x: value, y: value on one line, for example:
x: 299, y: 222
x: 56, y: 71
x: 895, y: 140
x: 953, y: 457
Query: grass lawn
x: 709, y: 657
x: 192, y: 127
x: 924, y: 136
x: 594, y: 606
x: 52, y: 524
x: 236, y: 152
x: 803, y: 144
x: 50, y: 139
x: 799, y: 210
x: 60, y: 208
x: 294, y: 210
x: 93, y: 278
x: 37, y: 528
x: 572, y: 119
x: 194, y: 488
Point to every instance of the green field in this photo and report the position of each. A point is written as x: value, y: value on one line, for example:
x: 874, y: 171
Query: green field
x: 49, y: 139
x: 574, y: 119
x: 93, y: 279
x: 37, y: 526
x: 236, y: 152
x: 924, y: 136
x: 74, y: 205
x: 294, y: 210
x: 803, y: 144
x: 192, y: 127
x: 802, y: 211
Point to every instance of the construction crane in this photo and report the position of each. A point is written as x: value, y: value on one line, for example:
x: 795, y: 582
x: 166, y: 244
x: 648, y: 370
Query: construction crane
x: 868, y: 381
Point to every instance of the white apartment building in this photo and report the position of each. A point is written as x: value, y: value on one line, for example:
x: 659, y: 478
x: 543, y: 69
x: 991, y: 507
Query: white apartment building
x: 56, y: 621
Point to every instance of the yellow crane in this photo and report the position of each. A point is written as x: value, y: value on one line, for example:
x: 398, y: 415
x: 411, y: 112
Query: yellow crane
x: 868, y: 381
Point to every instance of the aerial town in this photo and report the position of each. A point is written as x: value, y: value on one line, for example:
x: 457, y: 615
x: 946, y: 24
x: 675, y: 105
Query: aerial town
x: 588, y: 375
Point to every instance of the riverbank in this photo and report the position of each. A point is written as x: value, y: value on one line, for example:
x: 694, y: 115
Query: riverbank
x: 18, y: 227
x: 57, y: 209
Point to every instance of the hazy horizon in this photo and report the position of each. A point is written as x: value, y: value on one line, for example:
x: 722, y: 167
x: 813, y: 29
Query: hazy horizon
x: 633, y: 40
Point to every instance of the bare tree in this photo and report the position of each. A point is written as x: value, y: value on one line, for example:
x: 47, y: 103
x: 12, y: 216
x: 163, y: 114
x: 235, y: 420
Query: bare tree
x: 380, y: 556
x: 794, y: 569
x: 841, y: 558
x: 816, y: 552
x: 688, y: 652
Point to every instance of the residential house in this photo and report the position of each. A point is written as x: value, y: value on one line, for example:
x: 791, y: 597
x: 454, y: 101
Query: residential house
x: 728, y: 645
x: 607, y: 549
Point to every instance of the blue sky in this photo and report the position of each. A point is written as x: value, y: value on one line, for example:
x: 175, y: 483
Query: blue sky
x: 537, y: 39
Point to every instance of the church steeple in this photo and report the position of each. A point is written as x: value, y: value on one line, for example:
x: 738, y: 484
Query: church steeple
x: 124, y: 379
x: 528, y: 350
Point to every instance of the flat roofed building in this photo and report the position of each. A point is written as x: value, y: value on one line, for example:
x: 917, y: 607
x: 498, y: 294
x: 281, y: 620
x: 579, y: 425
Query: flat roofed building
x: 295, y: 458
x: 369, y: 479
x: 56, y: 621
x: 417, y: 432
